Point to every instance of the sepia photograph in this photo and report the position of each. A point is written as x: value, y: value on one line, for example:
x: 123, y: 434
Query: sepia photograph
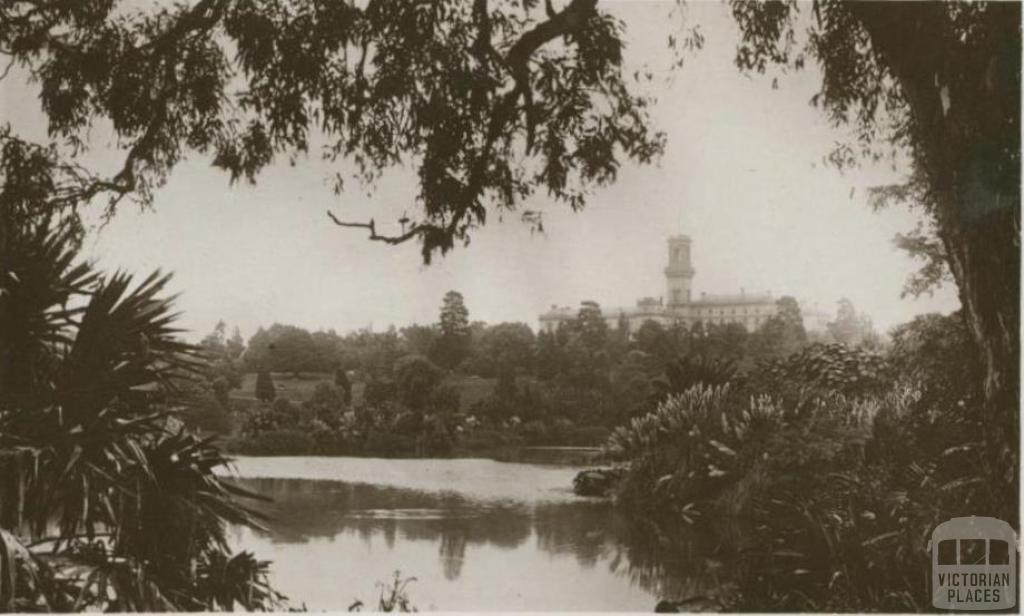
x: 510, y: 306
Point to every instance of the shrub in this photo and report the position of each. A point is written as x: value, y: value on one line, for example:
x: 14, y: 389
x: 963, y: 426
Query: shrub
x: 535, y: 432
x: 408, y: 422
x: 584, y: 436
x: 840, y: 465
x: 935, y: 353
x: 445, y: 399
x: 436, y: 437
x: 684, y: 454
x: 276, y: 443
x: 684, y: 372
x: 344, y: 385
x: 206, y: 414
x: 822, y: 369
x: 265, y: 390
x: 482, y: 440
x: 386, y: 443
x: 326, y: 404
x: 221, y: 392
x: 415, y: 380
x: 853, y: 520
x: 378, y: 391
x: 331, y: 441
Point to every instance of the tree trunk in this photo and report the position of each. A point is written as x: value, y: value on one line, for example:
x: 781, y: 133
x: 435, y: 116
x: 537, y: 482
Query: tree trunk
x: 964, y: 100
x: 984, y: 254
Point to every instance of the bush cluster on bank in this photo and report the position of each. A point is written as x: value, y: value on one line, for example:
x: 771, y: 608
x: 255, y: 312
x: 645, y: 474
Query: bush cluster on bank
x: 418, y: 413
x: 836, y: 464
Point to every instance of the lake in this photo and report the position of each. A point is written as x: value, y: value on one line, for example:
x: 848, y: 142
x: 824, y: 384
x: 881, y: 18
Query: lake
x: 476, y: 534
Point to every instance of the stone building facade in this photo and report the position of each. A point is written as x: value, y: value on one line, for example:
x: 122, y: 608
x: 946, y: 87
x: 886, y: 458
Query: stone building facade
x: 678, y: 305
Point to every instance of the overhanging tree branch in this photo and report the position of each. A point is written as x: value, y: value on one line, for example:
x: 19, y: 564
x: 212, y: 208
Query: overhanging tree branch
x: 414, y: 231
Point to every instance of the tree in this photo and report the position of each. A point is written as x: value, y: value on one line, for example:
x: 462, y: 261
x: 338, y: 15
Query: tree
x: 505, y: 348
x: 632, y: 384
x: 265, y: 390
x: 375, y: 353
x: 845, y: 329
x: 468, y: 92
x: 419, y: 339
x: 852, y: 328
x: 129, y: 507
x: 652, y: 338
x: 222, y: 357
x: 324, y: 350
x: 728, y: 341
x: 215, y: 342
x: 940, y: 81
x: 327, y: 403
x: 222, y: 392
x: 287, y: 348
x: 585, y: 361
x: 933, y: 352
x: 454, y: 320
x: 415, y: 380
x: 235, y: 345
x: 342, y: 382
x: 590, y: 326
x: 550, y: 356
x: 453, y: 344
x: 781, y: 334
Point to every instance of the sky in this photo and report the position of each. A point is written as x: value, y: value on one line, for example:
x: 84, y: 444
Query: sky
x: 742, y: 175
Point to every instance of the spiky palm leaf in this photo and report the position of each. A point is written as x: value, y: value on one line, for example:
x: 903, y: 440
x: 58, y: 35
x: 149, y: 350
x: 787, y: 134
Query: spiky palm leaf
x: 225, y: 581
x: 685, y: 372
x: 125, y: 340
x: 27, y: 583
x: 127, y: 508
x: 39, y: 281
x: 182, y: 507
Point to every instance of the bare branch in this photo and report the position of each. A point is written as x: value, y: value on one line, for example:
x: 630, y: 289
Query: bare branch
x: 413, y: 231
x: 7, y: 69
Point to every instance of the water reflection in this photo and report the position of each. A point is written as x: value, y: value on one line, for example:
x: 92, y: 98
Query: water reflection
x: 331, y: 541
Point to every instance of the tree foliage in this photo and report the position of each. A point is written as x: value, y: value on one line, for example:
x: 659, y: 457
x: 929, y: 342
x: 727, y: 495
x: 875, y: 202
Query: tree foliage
x: 453, y: 344
x: 782, y: 333
x: 940, y: 82
x: 488, y: 100
x: 505, y: 348
x: 415, y: 380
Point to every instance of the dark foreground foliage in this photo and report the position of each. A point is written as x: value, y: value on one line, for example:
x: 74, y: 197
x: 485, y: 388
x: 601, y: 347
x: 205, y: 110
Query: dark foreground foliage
x: 836, y: 465
x: 105, y: 502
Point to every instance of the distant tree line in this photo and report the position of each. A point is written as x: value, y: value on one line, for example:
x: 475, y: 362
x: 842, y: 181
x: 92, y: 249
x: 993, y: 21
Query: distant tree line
x: 585, y: 372
x: 577, y: 349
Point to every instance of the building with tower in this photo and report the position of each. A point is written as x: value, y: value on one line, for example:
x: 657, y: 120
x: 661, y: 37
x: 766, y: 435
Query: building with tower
x: 678, y: 306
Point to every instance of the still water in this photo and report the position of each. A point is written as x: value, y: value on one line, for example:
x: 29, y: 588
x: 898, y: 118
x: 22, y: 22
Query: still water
x: 476, y: 534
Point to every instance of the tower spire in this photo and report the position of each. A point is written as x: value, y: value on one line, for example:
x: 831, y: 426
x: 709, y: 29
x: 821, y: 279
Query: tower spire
x: 679, y: 271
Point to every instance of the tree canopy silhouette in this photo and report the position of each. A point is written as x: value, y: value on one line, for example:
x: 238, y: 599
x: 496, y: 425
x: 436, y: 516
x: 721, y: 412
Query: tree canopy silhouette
x: 489, y: 100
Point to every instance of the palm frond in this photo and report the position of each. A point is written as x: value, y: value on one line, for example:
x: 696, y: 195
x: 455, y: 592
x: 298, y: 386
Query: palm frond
x: 39, y: 283
x: 124, y: 342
